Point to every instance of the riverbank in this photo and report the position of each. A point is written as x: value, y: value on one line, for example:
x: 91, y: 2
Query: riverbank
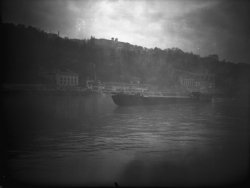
x: 76, y: 91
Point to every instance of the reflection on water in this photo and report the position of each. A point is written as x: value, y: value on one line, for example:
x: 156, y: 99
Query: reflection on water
x: 90, y: 141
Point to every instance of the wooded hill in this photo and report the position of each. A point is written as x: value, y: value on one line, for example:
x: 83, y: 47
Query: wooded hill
x: 28, y: 51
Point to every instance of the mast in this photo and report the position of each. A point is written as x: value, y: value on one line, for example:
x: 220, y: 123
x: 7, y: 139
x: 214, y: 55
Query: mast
x: 94, y: 72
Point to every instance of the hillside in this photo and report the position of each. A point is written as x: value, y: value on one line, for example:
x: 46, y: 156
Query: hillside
x: 28, y: 51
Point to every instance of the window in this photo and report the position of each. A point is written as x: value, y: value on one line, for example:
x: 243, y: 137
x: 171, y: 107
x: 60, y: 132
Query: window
x: 65, y: 80
x: 76, y: 81
x: 61, y: 81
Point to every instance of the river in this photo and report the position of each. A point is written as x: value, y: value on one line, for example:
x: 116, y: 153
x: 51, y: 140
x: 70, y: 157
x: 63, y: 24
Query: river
x: 82, y: 141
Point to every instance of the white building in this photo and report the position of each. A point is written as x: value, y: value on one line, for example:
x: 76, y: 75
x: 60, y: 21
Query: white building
x: 198, y: 82
x: 66, y: 79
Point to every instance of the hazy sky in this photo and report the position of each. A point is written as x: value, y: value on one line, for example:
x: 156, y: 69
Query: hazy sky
x: 200, y: 26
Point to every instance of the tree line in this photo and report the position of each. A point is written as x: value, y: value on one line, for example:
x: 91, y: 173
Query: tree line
x: 28, y: 51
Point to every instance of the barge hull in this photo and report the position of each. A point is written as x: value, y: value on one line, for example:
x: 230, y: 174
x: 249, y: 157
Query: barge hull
x: 129, y: 100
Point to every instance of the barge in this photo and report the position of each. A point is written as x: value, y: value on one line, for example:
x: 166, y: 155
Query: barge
x: 129, y: 99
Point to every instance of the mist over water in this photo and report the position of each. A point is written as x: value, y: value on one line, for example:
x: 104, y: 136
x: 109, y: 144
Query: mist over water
x: 63, y: 140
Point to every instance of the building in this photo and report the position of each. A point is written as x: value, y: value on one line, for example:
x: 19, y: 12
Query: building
x: 61, y: 79
x: 197, y: 82
x: 66, y: 79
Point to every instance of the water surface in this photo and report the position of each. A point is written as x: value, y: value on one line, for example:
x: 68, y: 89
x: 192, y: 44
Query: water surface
x: 63, y: 140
